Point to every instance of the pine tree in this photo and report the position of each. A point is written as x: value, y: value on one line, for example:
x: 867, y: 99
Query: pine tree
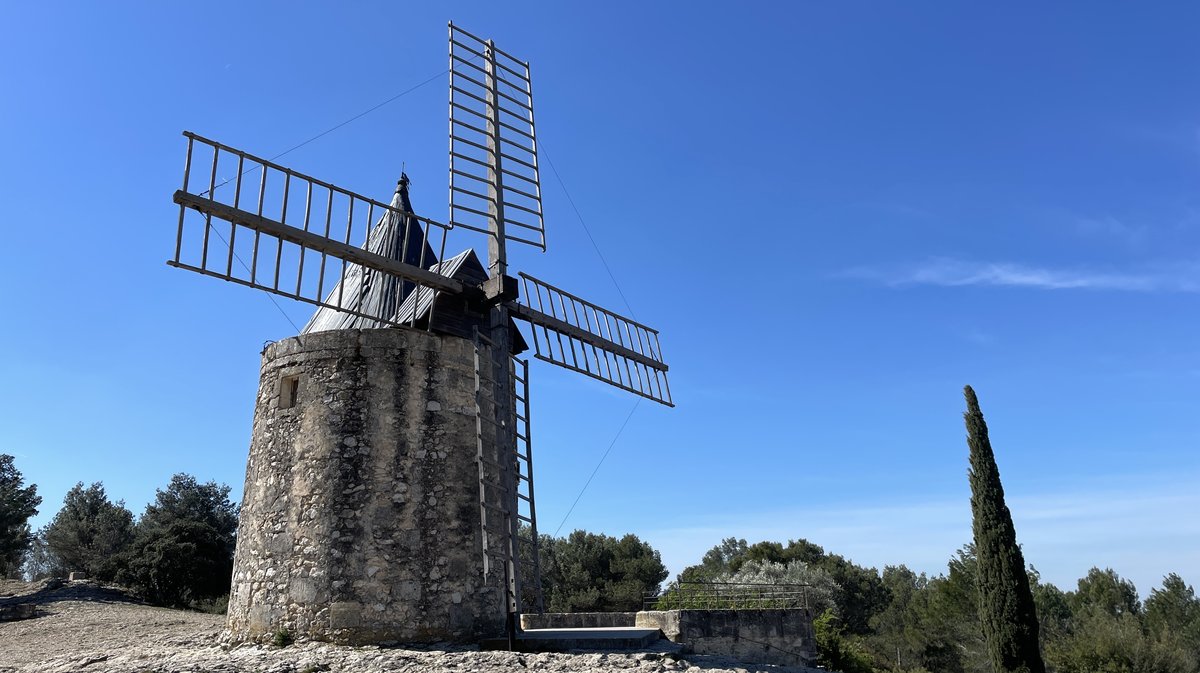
x: 90, y: 532
x: 182, y: 551
x: 1006, y: 607
x: 18, y: 503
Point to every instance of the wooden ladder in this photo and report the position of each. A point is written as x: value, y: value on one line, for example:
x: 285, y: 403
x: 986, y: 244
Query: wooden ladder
x: 507, y: 516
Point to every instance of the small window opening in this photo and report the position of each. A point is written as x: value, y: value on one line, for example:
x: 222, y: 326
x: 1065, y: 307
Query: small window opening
x: 289, y: 391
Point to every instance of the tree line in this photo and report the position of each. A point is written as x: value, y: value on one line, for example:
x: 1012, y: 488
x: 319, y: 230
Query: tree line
x: 179, y: 552
x: 900, y: 620
x: 989, y: 612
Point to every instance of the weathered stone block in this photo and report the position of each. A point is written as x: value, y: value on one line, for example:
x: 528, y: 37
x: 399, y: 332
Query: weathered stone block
x: 17, y: 611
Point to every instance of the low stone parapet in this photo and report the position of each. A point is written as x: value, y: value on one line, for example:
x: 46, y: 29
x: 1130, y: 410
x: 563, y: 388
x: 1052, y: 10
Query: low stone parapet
x: 578, y: 620
x: 783, y: 636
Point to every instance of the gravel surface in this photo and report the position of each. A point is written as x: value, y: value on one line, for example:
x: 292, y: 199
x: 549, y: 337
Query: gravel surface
x: 88, y: 628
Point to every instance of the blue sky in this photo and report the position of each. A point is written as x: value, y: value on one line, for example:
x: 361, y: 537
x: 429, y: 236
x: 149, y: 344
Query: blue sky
x: 838, y: 214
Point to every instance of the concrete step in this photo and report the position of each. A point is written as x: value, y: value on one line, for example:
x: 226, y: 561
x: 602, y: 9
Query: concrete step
x: 561, y: 640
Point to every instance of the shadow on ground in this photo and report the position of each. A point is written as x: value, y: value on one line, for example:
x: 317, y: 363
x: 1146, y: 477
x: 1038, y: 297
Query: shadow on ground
x: 19, y: 600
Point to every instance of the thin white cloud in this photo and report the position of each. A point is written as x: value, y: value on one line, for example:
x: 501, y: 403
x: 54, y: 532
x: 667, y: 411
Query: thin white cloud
x: 1112, y: 227
x: 950, y: 272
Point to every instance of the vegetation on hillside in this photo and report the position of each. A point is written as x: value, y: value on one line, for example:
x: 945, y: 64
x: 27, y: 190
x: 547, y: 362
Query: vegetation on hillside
x: 918, y: 623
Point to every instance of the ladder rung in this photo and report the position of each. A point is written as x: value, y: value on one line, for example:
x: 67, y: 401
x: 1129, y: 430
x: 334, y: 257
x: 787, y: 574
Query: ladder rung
x: 524, y: 497
x: 495, y: 508
x: 498, y: 546
x: 490, y: 484
x: 522, y: 517
x: 489, y: 461
x: 494, y: 422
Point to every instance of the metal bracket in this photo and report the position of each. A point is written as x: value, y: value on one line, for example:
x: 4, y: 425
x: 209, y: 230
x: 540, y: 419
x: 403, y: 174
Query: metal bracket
x: 499, y: 289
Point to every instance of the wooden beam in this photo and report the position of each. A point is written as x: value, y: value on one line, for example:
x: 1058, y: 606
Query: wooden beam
x: 536, y: 317
x: 309, y: 240
x: 499, y: 289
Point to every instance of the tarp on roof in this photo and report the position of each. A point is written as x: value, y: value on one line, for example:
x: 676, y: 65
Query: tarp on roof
x: 464, y: 266
x: 368, y: 291
x: 449, y: 316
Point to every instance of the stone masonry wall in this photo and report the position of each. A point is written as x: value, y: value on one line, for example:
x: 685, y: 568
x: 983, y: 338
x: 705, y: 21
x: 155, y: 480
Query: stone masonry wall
x: 762, y: 636
x: 360, y: 518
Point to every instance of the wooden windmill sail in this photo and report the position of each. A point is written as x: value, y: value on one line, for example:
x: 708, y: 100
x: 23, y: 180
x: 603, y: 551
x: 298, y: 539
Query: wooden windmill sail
x: 365, y: 264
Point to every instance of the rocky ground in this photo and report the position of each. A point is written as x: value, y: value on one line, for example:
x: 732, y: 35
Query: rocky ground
x: 88, y: 628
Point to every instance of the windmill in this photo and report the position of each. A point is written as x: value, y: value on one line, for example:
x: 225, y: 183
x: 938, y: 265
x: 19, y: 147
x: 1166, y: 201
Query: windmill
x: 369, y: 264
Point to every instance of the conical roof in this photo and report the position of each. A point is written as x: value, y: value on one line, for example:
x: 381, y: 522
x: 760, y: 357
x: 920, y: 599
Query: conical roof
x: 368, y: 291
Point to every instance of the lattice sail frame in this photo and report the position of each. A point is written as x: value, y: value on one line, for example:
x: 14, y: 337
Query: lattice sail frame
x: 578, y: 335
x: 495, y: 185
x: 290, y: 228
x: 292, y: 234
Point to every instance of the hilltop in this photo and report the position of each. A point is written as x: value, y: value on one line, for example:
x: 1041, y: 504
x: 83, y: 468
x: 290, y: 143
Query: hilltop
x: 89, y: 627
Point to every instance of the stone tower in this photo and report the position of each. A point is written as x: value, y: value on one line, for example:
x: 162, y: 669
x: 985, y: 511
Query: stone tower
x: 360, y: 520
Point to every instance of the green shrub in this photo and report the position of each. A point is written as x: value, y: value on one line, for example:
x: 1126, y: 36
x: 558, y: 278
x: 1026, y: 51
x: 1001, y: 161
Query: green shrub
x: 213, y: 606
x: 282, y: 638
x: 835, y: 650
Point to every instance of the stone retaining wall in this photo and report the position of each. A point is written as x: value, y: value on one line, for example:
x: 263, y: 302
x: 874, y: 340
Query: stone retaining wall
x: 761, y: 636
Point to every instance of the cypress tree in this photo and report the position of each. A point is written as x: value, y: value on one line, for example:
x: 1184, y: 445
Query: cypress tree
x: 1006, y: 607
